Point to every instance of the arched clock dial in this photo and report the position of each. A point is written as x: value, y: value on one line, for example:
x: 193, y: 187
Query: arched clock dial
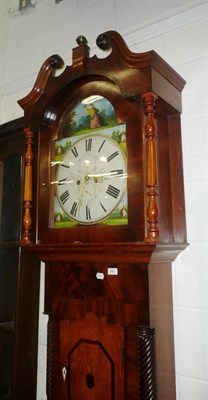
x: 91, y: 179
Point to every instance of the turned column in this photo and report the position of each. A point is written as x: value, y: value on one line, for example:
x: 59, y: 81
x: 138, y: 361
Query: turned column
x: 28, y: 194
x: 149, y: 102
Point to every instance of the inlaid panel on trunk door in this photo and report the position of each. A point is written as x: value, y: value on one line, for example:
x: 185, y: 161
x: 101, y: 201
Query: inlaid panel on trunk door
x: 91, y: 361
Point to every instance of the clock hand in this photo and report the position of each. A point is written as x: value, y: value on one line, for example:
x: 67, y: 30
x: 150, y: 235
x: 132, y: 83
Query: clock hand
x: 63, y: 181
x: 70, y: 178
x: 99, y: 177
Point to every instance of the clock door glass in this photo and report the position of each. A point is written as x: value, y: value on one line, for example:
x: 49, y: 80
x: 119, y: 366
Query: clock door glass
x: 89, y: 172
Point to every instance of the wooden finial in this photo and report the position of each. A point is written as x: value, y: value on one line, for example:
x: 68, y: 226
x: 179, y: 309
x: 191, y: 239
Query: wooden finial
x: 80, y: 54
x: 81, y: 40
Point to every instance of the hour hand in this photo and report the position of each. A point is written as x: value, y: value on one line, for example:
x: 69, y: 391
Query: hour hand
x: 67, y: 180
x: 64, y: 181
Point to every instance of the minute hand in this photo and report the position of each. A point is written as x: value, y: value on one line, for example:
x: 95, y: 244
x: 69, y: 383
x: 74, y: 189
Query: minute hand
x: 110, y: 174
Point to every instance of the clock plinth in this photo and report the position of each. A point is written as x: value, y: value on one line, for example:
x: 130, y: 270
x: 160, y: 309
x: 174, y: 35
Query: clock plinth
x: 107, y: 202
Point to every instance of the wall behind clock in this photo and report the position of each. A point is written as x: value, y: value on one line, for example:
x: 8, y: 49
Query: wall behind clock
x: 178, y: 32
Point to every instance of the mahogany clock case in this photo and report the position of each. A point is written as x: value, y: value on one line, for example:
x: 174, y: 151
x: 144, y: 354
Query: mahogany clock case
x: 95, y: 314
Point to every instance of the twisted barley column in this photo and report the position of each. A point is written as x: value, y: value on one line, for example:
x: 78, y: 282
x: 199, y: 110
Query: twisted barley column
x: 49, y: 359
x: 147, y: 363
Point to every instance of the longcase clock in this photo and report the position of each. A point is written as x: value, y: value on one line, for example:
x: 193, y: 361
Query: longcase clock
x: 109, y: 200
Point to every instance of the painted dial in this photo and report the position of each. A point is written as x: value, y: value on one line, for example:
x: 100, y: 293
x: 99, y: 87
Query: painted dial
x: 91, y: 179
